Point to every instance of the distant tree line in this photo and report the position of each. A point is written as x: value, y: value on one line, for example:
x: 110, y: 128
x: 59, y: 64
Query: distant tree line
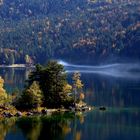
x: 81, y: 30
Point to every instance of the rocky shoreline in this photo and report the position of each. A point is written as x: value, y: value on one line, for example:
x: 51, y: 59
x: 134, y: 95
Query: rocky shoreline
x: 6, y: 112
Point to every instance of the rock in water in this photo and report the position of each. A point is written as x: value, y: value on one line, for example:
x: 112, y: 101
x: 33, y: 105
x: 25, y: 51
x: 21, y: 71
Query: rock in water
x: 102, y: 108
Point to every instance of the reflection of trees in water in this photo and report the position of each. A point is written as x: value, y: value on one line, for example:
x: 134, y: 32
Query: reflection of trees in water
x: 112, y: 124
x: 30, y: 127
x: 96, y: 124
x: 6, y: 126
x: 108, y: 91
x: 39, y: 128
x: 14, y: 77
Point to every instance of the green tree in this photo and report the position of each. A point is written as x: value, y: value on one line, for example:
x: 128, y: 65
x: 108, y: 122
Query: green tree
x: 52, y: 80
x: 31, y: 97
x: 56, y: 80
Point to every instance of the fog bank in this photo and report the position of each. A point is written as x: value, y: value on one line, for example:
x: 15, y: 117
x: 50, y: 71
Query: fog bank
x: 124, y: 70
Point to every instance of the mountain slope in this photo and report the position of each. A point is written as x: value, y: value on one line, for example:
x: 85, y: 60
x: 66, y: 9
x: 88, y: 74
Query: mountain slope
x: 77, y: 30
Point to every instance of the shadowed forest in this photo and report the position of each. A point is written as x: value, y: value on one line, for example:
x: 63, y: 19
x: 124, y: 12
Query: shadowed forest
x: 89, y: 31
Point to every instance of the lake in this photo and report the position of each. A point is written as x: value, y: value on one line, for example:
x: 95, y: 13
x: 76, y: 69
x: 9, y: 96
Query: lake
x: 121, y: 120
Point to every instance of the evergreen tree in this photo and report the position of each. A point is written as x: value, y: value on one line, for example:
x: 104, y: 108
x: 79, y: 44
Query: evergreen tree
x: 52, y: 80
x: 53, y: 84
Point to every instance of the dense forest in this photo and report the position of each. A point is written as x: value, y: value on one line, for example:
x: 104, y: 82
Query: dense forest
x: 33, y: 31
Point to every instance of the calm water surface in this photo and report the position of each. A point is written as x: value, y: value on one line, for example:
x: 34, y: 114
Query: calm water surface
x: 121, y: 120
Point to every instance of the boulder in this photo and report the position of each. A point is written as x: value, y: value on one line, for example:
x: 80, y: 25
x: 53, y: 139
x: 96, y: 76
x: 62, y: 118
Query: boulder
x: 4, y: 107
x: 8, y: 115
x: 18, y: 114
x: 78, y: 109
x: 36, y: 112
x: 44, y: 111
x: 86, y: 108
x: 72, y: 108
x: 29, y: 114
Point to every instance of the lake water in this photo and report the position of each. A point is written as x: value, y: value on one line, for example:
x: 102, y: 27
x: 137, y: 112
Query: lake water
x: 121, y: 120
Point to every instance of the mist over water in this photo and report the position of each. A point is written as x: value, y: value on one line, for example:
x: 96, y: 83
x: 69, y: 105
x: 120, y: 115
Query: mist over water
x: 121, y: 70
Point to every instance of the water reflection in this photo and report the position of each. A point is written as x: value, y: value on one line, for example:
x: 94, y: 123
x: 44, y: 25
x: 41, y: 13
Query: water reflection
x: 113, y: 124
x: 110, y: 92
x: 14, y: 77
x: 37, y: 128
x: 120, y: 121
x: 7, y: 126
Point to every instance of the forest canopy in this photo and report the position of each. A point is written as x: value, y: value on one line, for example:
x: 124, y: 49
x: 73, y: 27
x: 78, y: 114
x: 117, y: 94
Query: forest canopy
x: 33, y: 31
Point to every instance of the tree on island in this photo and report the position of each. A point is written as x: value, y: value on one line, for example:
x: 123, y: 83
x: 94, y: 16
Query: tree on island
x: 53, y: 85
x: 77, y: 87
x: 30, y: 98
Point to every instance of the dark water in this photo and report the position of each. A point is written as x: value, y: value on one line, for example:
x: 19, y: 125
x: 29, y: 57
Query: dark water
x: 121, y: 120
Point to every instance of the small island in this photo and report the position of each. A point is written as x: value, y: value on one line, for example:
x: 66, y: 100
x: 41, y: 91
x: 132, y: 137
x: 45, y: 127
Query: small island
x: 46, y: 91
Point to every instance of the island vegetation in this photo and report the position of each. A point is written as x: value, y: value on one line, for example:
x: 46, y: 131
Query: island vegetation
x: 46, y: 88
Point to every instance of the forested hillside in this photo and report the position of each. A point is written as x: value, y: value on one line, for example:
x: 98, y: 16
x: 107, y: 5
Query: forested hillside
x: 33, y: 31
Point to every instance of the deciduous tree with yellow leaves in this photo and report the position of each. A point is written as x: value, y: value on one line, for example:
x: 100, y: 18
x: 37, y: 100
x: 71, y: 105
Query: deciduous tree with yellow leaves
x: 3, y: 94
x: 77, y: 87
